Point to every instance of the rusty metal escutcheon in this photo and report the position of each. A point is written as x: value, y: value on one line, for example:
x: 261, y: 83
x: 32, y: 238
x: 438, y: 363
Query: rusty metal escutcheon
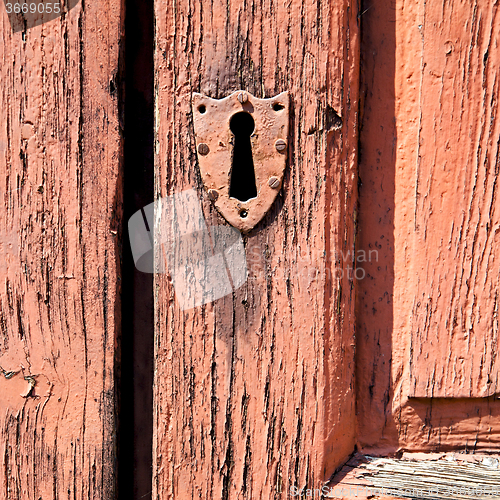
x: 215, y: 148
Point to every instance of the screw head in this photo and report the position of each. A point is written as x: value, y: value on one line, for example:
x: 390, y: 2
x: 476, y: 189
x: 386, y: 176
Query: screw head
x: 244, y: 214
x: 280, y: 145
x: 203, y: 149
x: 242, y: 97
x: 274, y: 183
x: 213, y: 195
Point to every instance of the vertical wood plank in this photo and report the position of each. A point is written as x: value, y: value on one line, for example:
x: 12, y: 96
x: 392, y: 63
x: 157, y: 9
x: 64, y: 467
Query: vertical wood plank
x: 60, y: 186
x: 375, y: 294
x: 435, y: 68
x: 254, y: 392
x: 454, y: 327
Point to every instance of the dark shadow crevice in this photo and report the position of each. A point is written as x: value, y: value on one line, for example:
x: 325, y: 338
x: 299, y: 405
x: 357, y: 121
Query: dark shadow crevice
x: 136, y: 372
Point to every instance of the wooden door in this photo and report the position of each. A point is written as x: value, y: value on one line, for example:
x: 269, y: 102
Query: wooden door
x: 254, y: 392
x: 370, y: 321
x: 427, y: 363
x: 60, y: 228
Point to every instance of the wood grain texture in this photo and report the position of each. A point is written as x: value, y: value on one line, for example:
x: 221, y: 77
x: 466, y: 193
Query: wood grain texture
x: 428, y: 185
x: 254, y: 392
x: 454, y: 325
x: 60, y: 185
x: 420, y: 476
x: 375, y: 294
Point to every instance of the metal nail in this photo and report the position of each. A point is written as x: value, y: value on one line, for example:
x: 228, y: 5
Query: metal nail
x: 242, y: 97
x: 280, y: 145
x: 203, y: 149
x: 274, y: 183
x: 213, y: 195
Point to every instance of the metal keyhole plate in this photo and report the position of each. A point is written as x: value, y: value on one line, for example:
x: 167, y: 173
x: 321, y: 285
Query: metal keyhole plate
x: 240, y: 202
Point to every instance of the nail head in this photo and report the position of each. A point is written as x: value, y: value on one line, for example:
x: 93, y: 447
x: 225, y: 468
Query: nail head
x: 203, y: 149
x: 213, y: 195
x: 274, y: 183
x: 280, y: 145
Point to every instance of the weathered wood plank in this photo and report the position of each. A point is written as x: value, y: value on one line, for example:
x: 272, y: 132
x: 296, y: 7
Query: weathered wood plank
x: 254, y: 392
x: 433, y: 138
x: 376, y: 309
x: 454, y: 325
x: 60, y: 185
x: 419, y: 476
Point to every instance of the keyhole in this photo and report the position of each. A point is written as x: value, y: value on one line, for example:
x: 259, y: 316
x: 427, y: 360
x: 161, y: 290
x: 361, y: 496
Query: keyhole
x: 242, y: 185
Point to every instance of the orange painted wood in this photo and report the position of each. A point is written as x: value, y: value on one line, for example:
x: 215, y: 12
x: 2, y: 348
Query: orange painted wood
x: 254, y: 392
x: 375, y: 309
x: 60, y: 186
x: 456, y: 234
x: 427, y: 320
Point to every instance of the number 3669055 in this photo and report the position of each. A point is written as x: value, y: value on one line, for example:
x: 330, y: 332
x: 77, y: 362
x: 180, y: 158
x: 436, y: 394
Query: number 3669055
x: 40, y: 8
